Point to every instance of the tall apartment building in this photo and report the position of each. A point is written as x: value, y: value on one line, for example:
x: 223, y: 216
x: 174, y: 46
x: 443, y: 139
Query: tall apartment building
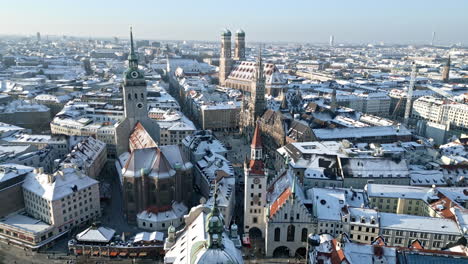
x: 65, y: 199
x: 53, y: 205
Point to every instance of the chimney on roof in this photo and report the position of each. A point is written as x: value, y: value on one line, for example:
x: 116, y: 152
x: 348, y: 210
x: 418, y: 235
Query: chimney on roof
x: 62, y: 175
x: 50, y: 178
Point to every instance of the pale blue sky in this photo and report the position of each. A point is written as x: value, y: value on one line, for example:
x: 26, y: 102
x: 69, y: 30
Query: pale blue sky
x: 287, y: 20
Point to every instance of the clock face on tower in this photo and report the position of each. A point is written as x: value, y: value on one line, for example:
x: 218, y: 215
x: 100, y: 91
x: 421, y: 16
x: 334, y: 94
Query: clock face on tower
x: 256, y: 180
x: 134, y: 74
x: 140, y: 105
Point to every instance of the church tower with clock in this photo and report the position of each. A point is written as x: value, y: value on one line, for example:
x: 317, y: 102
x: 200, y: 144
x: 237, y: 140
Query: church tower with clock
x: 134, y: 89
x: 255, y: 188
x: 135, y: 105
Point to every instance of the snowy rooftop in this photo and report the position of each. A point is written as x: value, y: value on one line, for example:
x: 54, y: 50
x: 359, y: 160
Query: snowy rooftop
x: 85, y: 152
x: 328, y: 203
x: 427, y: 177
x: 96, y: 234
x: 374, y: 167
x: 456, y: 194
x: 32, y: 138
x: 360, y: 132
x: 53, y: 98
x: 201, y: 141
x: 313, y: 147
x: 176, y: 212
x: 8, y: 152
x: 6, y: 129
x: 148, y: 237
x: 26, y: 223
x: 397, y: 191
x: 10, y: 170
x: 23, y: 106
x: 418, y: 223
x: 60, y: 187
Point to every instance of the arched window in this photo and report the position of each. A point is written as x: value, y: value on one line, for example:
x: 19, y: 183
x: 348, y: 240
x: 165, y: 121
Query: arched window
x: 136, y: 96
x: 277, y: 234
x: 129, y: 97
x: 304, y: 235
x: 291, y: 231
x: 142, y: 96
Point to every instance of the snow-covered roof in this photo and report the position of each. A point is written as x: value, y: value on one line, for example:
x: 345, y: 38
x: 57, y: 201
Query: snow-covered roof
x: 86, y: 152
x: 96, y: 234
x: 397, y: 191
x: 374, y: 167
x: 9, y: 171
x: 176, y: 212
x: 149, y: 237
x: 418, y: 223
x: 7, y: 129
x: 427, y: 177
x: 26, y: 223
x: 359, y: 132
x: 61, y: 186
x: 23, y: 106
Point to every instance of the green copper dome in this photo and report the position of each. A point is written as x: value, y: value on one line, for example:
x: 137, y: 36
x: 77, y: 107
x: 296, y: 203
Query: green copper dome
x: 226, y: 32
x: 240, y: 32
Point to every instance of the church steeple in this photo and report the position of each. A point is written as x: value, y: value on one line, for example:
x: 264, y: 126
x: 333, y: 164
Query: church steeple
x: 132, y: 75
x: 132, y: 57
x: 134, y: 88
x: 258, y: 89
x: 256, y: 146
x: 214, y: 223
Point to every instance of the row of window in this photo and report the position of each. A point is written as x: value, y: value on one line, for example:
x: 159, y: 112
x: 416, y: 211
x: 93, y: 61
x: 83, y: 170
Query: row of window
x: 252, y: 186
x: 290, y: 234
x: 135, y: 96
x: 360, y: 229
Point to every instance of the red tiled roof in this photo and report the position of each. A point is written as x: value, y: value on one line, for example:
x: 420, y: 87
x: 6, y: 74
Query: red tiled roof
x: 416, y: 244
x: 337, y: 256
x: 280, y: 201
x: 140, y: 138
x: 158, y: 209
x: 256, y: 167
x: 257, y: 139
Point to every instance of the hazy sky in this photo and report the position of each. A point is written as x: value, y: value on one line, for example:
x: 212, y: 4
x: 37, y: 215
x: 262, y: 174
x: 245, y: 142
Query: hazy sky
x: 272, y: 20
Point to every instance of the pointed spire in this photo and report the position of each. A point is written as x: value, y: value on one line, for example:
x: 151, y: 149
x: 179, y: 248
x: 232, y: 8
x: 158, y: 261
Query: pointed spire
x: 260, y: 64
x: 214, y: 223
x: 257, y: 139
x: 132, y: 51
x: 132, y: 58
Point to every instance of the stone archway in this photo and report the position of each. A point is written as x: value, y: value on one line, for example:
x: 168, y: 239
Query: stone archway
x: 281, y: 252
x: 301, y: 252
x: 255, y: 233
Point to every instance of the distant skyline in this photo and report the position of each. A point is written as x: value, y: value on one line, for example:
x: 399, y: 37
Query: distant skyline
x: 365, y: 21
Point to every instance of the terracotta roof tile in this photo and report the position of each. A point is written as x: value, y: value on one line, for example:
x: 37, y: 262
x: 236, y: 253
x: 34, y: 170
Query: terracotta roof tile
x: 256, y: 167
x: 257, y: 139
x: 280, y: 201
